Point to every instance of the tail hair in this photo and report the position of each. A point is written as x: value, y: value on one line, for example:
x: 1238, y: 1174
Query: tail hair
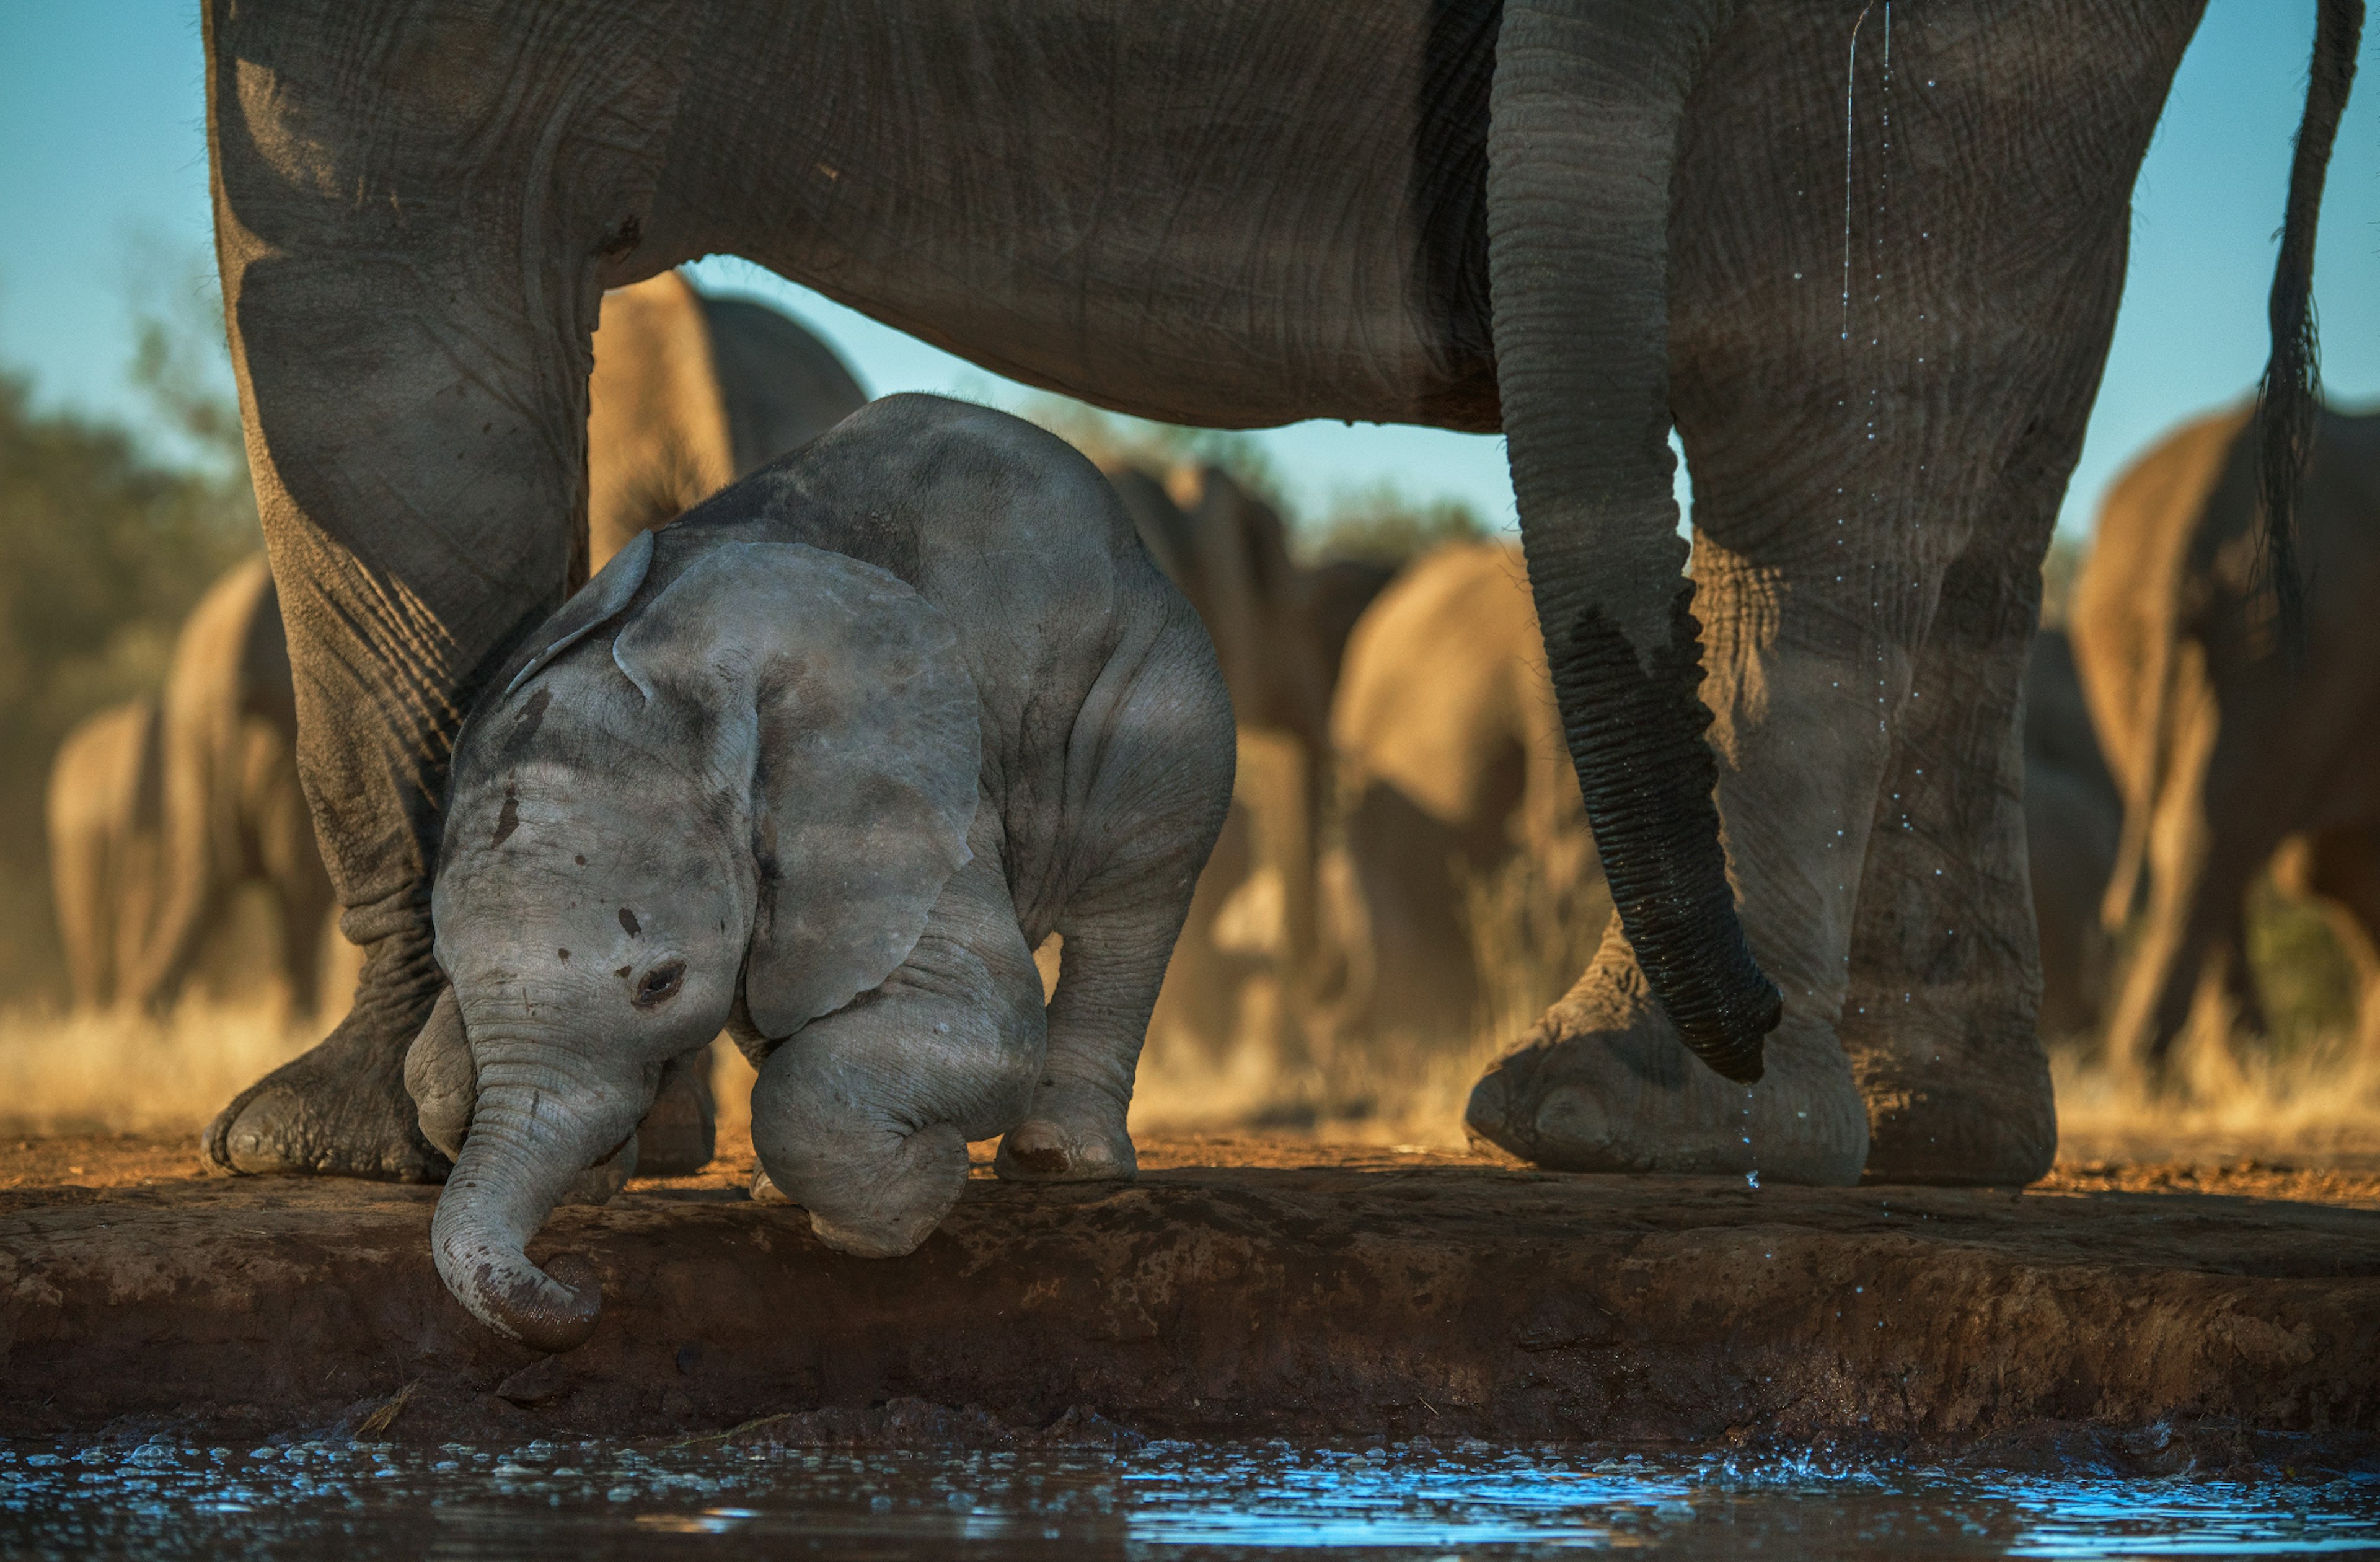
x: 2289, y: 402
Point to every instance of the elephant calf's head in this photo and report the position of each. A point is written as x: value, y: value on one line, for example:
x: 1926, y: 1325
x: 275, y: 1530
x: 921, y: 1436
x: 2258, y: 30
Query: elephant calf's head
x: 750, y: 782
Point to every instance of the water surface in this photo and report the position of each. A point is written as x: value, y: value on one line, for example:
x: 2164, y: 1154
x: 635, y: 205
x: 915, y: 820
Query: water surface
x: 1163, y: 1500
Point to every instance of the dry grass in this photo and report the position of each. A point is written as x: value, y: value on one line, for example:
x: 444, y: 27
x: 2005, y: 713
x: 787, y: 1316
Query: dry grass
x: 2225, y: 1097
x: 2312, y: 1100
x: 128, y: 1073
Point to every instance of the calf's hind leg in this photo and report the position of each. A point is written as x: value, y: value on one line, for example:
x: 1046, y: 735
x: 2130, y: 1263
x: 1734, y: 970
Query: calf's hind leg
x: 1156, y: 806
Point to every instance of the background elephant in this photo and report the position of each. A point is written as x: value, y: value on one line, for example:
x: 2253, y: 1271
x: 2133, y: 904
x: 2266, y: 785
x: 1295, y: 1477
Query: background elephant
x: 231, y: 811
x: 1581, y: 223
x: 1230, y: 1019
x: 104, y: 800
x: 2073, y: 820
x: 1451, y: 768
x: 2222, y: 753
x: 689, y: 393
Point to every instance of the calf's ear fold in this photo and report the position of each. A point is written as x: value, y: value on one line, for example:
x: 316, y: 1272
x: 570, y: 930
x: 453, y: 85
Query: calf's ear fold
x: 601, y: 601
x: 866, y: 742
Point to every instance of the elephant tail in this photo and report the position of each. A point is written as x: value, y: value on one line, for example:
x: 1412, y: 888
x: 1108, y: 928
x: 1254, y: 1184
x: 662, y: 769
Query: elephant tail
x: 2288, y: 401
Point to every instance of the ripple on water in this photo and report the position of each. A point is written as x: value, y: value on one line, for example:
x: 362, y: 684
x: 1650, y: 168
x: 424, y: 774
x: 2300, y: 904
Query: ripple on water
x: 1166, y: 1499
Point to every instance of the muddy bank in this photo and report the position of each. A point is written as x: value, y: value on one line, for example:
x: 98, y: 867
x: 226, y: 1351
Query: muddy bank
x: 1317, y: 1293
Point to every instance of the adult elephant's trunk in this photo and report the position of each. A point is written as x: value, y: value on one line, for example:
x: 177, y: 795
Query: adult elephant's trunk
x: 531, y: 1133
x: 1586, y: 114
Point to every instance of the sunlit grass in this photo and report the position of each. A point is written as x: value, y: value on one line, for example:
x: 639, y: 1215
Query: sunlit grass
x: 2310, y: 1093
x: 120, y: 1073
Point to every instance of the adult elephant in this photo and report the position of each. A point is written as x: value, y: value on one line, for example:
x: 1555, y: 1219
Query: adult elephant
x: 1578, y: 221
x: 2073, y: 821
x: 1452, y: 762
x: 104, y: 800
x: 2222, y: 751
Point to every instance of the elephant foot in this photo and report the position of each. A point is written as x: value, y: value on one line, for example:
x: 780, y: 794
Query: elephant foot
x: 1068, y: 1136
x: 342, y: 1109
x: 884, y: 1211
x: 1603, y: 1084
x: 680, y: 1133
x: 1960, y: 1115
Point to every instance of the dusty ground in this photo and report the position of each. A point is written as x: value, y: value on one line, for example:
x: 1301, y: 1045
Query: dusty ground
x: 110, y: 1161
x: 1249, y: 1285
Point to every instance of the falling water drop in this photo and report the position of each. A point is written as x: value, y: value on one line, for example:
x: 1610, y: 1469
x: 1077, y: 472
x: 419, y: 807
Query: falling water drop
x: 1751, y: 1177
x: 1851, y: 71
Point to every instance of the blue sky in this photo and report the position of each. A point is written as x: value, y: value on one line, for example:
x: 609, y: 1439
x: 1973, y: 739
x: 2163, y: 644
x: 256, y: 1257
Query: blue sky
x: 104, y: 179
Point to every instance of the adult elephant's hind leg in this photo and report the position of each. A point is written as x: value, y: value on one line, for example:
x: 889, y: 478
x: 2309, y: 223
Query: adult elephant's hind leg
x: 411, y: 337
x: 410, y: 240
x: 402, y: 584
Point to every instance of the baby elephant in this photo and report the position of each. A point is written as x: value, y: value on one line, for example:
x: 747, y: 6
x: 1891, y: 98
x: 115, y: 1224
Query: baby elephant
x: 822, y: 763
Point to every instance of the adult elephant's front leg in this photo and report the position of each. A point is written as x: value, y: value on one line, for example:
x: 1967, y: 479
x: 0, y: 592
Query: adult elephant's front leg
x: 411, y: 289
x: 405, y: 576
x: 1603, y: 1084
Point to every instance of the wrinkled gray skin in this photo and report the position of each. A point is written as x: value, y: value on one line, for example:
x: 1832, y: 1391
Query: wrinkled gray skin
x: 1583, y: 223
x: 823, y: 763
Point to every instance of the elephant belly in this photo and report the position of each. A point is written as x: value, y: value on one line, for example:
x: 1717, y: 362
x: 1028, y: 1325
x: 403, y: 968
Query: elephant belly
x: 1236, y: 214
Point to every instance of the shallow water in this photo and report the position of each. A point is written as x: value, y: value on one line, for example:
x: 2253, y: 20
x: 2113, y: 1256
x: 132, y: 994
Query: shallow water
x: 1164, y: 1500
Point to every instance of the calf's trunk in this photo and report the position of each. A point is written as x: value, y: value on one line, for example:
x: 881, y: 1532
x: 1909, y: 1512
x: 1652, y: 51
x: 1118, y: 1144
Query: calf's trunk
x: 532, y: 1133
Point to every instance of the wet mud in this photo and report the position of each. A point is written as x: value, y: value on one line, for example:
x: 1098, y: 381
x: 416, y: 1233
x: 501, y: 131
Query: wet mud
x: 2127, y: 1318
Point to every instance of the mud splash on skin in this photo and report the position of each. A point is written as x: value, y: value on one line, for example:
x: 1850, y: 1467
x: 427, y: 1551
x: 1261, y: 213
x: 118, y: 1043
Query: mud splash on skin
x: 573, y: 1499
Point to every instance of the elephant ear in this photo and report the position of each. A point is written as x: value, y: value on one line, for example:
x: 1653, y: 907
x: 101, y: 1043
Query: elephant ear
x: 602, y: 600
x: 867, y: 742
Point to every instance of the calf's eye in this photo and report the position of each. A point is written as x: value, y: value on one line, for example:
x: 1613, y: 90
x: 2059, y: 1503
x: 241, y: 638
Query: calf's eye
x: 660, y: 985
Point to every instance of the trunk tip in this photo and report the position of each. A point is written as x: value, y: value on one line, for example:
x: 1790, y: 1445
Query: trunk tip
x: 1732, y: 1041
x: 552, y: 1309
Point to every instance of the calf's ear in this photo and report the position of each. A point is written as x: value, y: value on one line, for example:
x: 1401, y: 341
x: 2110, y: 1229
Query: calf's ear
x: 864, y: 737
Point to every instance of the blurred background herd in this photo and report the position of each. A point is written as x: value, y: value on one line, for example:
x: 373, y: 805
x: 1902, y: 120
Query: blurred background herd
x: 1406, y: 879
